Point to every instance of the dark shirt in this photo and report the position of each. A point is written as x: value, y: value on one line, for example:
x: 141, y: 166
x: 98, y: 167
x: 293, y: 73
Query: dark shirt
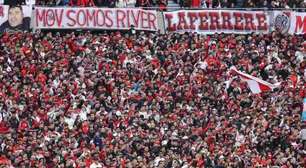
x: 100, y: 3
x: 14, y: 2
x: 6, y: 27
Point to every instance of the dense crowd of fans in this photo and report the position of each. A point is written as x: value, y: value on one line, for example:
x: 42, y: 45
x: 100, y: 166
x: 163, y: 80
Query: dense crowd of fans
x: 146, y: 100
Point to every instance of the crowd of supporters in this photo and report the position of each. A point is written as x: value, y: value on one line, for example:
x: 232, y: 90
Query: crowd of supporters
x: 146, y: 100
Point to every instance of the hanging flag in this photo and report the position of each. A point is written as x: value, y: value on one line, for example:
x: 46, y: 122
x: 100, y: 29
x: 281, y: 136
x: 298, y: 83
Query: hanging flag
x: 304, y: 110
x: 255, y: 84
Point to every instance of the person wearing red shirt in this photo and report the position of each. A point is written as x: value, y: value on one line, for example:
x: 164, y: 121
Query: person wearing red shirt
x: 23, y: 125
x: 81, y: 3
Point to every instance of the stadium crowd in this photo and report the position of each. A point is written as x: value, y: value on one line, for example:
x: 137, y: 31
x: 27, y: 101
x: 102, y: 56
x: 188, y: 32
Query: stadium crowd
x: 150, y: 100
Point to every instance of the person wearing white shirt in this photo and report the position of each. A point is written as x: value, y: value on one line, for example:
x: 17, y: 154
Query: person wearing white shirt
x: 95, y: 164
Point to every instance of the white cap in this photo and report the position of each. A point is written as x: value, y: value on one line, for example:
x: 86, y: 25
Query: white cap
x: 118, y: 113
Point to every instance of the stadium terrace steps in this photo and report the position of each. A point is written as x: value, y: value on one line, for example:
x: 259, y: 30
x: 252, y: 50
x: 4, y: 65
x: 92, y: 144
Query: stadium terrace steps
x: 172, y: 5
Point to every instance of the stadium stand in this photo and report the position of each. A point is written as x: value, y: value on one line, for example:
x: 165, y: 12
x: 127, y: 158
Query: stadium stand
x: 153, y: 94
x: 150, y: 100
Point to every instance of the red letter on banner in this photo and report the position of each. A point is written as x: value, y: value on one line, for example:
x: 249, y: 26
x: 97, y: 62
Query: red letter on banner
x: 249, y: 21
x: 203, y: 21
x: 50, y: 20
x: 59, y: 18
x: 182, y: 20
x: 1, y: 11
x: 192, y: 17
x: 238, y: 19
x: 90, y: 17
x: 71, y: 18
x: 100, y: 16
x: 152, y: 21
x: 79, y: 19
x: 169, y: 18
x: 226, y: 25
x: 108, y: 17
x: 128, y: 18
x: 40, y: 17
x: 144, y: 19
x: 136, y: 19
x: 262, y: 24
x: 300, y: 24
x: 120, y: 19
x: 214, y: 21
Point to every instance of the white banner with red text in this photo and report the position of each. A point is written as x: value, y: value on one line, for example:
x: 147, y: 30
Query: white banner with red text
x: 299, y: 23
x: 217, y: 21
x: 95, y: 18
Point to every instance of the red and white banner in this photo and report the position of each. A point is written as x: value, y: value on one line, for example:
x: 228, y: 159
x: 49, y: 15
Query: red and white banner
x: 217, y: 21
x: 95, y: 18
